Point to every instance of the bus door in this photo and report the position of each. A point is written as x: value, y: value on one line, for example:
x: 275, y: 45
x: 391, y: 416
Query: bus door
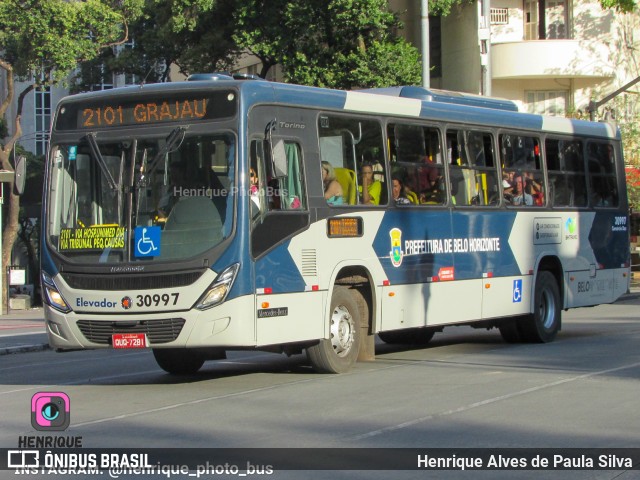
x: 278, y: 208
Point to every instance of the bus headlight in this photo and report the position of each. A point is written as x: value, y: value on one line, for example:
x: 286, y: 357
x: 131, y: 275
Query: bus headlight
x: 54, y: 297
x: 219, y: 289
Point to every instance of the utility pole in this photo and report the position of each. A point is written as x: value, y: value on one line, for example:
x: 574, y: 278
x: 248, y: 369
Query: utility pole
x: 424, y: 26
x: 593, y: 105
x: 484, y: 37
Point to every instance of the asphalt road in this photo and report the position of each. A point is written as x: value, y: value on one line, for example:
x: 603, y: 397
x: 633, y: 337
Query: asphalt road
x: 467, y: 389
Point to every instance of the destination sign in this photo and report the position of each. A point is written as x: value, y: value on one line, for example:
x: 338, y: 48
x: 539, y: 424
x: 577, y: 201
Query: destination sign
x: 118, y: 112
x: 91, y: 238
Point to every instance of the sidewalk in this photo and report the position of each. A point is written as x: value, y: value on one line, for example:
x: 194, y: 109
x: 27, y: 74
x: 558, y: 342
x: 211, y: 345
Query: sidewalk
x: 22, y: 331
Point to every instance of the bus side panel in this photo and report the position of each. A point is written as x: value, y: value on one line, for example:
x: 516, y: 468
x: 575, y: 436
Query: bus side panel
x: 506, y: 296
x: 454, y: 302
x: 290, y: 317
x: 589, y: 288
x: 404, y: 306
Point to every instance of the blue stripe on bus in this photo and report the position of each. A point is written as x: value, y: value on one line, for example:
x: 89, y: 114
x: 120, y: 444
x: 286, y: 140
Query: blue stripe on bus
x: 609, y: 239
x: 288, y: 278
x: 430, y: 244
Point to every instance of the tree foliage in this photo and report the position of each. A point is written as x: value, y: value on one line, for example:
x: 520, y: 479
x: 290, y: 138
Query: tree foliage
x: 41, y: 42
x: 192, y: 35
x: 623, y: 6
x: 329, y: 43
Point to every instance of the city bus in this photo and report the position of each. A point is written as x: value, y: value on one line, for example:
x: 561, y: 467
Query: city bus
x: 190, y: 218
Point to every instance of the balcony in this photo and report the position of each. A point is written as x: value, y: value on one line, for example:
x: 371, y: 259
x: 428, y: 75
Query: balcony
x: 539, y: 59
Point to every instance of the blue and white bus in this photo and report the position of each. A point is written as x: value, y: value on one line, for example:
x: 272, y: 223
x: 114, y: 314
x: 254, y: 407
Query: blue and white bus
x: 190, y: 218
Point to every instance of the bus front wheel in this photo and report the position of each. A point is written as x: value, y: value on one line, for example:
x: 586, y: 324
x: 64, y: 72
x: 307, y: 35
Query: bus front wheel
x: 544, y: 323
x: 178, y: 361
x: 339, y: 352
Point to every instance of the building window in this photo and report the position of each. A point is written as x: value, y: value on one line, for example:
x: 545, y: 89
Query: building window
x: 42, y: 118
x: 545, y: 19
x: 499, y: 16
x: 547, y: 102
x: 129, y: 78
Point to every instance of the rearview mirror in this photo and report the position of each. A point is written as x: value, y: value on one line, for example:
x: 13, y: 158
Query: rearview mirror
x: 20, y: 175
x: 279, y: 157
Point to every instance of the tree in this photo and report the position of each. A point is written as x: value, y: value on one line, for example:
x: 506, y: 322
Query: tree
x: 42, y: 42
x: 194, y: 35
x: 622, y: 6
x: 330, y: 43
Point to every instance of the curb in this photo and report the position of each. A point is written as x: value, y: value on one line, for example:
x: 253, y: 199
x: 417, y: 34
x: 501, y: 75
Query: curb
x: 24, y: 349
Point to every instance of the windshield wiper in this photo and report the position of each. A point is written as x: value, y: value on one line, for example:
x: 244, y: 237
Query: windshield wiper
x: 95, y: 150
x: 177, y: 134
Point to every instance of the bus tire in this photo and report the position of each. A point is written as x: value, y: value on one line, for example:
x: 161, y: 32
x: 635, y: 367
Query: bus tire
x: 544, y: 323
x: 178, y: 361
x: 338, y: 353
x: 408, y: 336
x: 510, y: 331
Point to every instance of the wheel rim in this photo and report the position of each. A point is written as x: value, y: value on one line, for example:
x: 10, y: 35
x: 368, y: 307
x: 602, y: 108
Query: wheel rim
x: 342, y: 330
x: 547, y: 309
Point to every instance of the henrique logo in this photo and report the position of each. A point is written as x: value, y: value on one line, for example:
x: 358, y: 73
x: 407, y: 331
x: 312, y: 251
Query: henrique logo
x: 104, y: 303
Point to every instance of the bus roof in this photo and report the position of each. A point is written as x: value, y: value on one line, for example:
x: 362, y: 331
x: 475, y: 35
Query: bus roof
x: 405, y: 101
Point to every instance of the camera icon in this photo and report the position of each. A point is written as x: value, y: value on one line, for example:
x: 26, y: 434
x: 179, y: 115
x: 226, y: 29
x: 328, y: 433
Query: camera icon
x: 50, y: 411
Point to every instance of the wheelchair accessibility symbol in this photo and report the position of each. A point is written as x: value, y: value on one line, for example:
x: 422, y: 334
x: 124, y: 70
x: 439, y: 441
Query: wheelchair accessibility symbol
x: 517, y: 291
x: 147, y: 241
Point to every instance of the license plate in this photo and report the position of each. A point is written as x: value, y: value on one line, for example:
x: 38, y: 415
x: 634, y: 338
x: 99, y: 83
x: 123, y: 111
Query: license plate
x: 129, y: 340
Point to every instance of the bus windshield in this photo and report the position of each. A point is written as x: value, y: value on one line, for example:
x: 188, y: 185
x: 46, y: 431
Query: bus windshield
x: 140, y: 199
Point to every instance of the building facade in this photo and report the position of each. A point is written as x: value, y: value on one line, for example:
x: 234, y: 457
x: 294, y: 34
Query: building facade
x: 549, y: 56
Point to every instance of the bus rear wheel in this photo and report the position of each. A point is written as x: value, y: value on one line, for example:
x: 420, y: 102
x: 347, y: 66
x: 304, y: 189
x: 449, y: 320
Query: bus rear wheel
x: 178, y: 361
x: 339, y: 352
x: 408, y: 336
x: 544, y: 323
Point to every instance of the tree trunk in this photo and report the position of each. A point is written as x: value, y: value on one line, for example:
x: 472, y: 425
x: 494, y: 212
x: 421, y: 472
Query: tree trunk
x: 10, y: 232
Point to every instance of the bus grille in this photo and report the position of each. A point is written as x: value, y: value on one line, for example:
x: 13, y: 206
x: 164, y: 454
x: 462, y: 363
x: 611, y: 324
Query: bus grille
x: 130, y: 282
x: 158, y: 331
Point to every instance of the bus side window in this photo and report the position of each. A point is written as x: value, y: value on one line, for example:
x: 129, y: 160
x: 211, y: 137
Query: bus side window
x: 473, y: 173
x: 602, y: 175
x: 256, y: 180
x: 286, y: 192
x: 521, y: 159
x: 419, y: 166
x: 565, y: 163
x: 347, y: 143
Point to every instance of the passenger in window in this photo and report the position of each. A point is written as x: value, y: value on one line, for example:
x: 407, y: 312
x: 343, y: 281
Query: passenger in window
x: 434, y: 193
x: 520, y: 197
x: 254, y: 187
x: 371, y: 189
x: 534, y: 189
x: 399, y: 191
x: 332, y: 188
x: 507, y: 186
x: 430, y: 173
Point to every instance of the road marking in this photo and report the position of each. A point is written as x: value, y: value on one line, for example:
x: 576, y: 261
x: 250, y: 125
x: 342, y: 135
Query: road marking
x: 15, y: 327
x: 488, y: 401
x: 192, y: 402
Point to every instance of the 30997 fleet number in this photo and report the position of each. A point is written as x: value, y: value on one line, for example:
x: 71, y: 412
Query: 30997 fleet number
x: 156, y: 300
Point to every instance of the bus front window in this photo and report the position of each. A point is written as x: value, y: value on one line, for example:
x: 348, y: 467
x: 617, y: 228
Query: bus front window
x: 140, y: 200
